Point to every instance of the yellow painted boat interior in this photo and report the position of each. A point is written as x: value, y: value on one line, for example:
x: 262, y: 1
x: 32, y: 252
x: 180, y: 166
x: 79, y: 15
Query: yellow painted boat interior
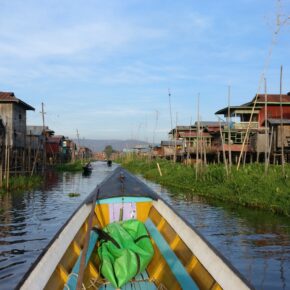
x: 158, y: 270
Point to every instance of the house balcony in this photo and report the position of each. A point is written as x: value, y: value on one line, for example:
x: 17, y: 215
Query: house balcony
x: 244, y: 125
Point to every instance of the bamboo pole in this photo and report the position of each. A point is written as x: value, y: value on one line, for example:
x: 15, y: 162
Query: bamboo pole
x: 266, y: 129
x: 44, y: 139
x: 197, y: 141
x: 229, y: 129
x: 1, y: 167
x: 188, y: 149
x: 8, y: 169
x: 281, y: 123
x: 23, y: 161
x: 270, y: 148
x: 6, y: 146
x: 175, y: 141
x: 159, y: 169
x: 170, y: 112
x: 224, y: 153
x: 35, y: 160
x: 16, y: 160
x: 204, y: 150
x: 29, y: 153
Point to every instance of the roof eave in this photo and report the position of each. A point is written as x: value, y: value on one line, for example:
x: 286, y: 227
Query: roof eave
x: 26, y: 106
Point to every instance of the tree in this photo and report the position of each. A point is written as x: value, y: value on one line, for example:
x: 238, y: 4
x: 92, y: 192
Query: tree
x: 108, y: 151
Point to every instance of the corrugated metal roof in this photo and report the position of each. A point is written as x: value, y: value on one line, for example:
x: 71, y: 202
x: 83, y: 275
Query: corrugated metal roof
x: 278, y: 122
x: 37, y: 130
x: 272, y: 98
x: 9, y: 97
x: 182, y: 128
x: 55, y: 139
x: 171, y: 143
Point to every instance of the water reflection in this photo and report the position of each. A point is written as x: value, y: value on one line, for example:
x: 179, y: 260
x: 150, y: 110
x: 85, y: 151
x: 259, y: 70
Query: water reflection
x: 29, y: 220
x: 256, y: 243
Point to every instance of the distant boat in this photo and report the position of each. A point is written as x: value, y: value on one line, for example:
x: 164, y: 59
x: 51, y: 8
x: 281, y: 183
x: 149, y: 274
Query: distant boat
x: 181, y: 257
x: 109, y: 163
x: 88, y: 168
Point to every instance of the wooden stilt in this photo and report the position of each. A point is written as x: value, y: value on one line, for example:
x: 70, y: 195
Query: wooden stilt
x: 8, y: 169
x: 224, y: 153
x: 281, y: 124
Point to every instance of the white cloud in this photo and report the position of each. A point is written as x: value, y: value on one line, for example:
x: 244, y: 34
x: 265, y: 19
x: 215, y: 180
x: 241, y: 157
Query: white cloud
x: 65, y: 41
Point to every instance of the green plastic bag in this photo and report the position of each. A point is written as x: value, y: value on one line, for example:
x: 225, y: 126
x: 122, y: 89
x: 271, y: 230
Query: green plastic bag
x: 126, y: 252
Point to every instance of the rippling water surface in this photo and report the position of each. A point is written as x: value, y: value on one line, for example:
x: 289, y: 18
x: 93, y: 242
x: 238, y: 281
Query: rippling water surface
x: 256, y: 243
x: 29, y: 220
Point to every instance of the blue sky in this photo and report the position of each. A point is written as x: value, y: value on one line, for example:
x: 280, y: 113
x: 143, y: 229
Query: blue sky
x: 104, y: 67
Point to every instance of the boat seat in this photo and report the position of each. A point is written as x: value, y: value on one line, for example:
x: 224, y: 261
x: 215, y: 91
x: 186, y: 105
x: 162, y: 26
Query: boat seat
x: 73, y: 276
x: 177, y: 268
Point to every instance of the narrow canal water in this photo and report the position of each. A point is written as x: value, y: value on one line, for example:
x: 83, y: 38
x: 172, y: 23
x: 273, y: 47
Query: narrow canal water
x: 256, y: 243
x: 29, y: 220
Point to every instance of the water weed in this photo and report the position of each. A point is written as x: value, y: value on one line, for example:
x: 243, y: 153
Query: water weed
x: 249, y: 186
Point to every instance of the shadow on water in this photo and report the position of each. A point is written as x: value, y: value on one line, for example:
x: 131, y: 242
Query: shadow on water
x: 29, y: 220
x: 257, y: 243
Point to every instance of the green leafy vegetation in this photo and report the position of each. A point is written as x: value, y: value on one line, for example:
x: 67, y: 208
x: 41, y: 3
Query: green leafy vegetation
x: 108, y: 151
x: 21, y: 183
x: 249, y: 186
x: 73, y: 194
x: 72, y: 167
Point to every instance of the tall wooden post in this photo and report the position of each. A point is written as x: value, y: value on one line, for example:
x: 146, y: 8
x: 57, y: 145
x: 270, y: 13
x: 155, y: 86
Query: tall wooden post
x: 1, y: 164
x: 6, y: 152
x: 170, y: 111
x: 44, y: 139
x: 23, y: 161
x: 266, y: 129
x: 189, y: 143
x: 175, y: 141
x: 78, y: 137
x: 224, y: 153
x: 197, y: 141
x: 29, y: 153
x: 229, y: 129
x: 281, y: 123
x: 8, y: 168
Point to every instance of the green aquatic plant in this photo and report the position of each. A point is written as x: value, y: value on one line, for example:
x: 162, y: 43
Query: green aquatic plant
x: 249, y: 186
x: 74, y: 194
x: 72, y: 167
x: 21, y: 183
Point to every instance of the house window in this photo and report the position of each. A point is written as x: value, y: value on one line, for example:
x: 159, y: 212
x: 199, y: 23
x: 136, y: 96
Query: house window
x: 20, y: 117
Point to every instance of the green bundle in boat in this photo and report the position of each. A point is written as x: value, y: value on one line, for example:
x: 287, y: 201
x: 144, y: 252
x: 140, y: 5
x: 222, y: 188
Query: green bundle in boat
x: 125, y: 251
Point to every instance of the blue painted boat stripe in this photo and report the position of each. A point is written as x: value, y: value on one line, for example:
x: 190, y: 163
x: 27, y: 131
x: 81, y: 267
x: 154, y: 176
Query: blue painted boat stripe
x: 182, y: 276
x: 73, y: 276
x: 123, y: 199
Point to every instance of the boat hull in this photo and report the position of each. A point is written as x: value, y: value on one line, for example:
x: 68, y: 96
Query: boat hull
x: 183, y: 259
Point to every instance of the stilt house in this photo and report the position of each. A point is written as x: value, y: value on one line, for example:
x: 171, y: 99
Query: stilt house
x: 270, y: 113
x: 13, y: 115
